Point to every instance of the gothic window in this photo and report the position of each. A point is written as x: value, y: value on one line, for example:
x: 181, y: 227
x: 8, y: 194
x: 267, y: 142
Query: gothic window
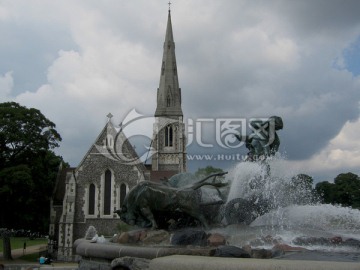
x: 122, y: 194
x: 107, y: 193
x: 91, y: 210
x: 163, y: 68
x: 168, y: 135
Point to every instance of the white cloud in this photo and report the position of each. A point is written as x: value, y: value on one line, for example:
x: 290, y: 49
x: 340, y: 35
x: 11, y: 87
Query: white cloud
x: 343, y: 151
x: 6, y: 85
x: 342, y: 154
x: 4, y: 13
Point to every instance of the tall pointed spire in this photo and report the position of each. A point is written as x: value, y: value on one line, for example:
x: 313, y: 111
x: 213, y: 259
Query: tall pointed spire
x: 169, y: 93
x: 169, y: 138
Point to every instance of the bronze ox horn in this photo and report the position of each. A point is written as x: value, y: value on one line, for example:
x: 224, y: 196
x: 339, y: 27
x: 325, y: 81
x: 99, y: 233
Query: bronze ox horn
x: 120, y: 210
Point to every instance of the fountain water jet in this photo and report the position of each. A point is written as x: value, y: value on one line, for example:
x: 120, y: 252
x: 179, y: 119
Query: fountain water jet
x: 292, y: 211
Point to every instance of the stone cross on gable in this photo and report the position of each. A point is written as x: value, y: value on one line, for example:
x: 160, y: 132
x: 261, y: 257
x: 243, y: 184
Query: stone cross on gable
x: 109, y: 116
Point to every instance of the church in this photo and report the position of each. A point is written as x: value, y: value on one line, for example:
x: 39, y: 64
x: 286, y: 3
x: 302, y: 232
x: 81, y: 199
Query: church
x: 88, y: 194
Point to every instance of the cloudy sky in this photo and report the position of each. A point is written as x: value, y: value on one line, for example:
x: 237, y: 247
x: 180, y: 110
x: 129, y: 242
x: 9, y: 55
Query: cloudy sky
x: 77, y: 61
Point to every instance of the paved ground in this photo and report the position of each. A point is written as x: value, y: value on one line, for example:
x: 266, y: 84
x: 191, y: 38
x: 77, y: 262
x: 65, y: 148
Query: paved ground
x: 184, y: 262
x: 17, y: 253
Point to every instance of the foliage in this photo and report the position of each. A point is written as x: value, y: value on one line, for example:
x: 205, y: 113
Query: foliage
x: 28, y: 166
x: 344, y: 191
x: 24, y: 131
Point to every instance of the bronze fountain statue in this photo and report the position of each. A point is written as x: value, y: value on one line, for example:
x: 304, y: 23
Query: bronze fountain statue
x: 264, y: 141
x: 168, y: 205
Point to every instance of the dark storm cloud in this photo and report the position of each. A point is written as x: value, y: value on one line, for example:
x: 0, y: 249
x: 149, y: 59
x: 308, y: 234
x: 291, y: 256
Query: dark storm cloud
x: 224, y: 76
x: 320, y: 17
x: 235, y: 59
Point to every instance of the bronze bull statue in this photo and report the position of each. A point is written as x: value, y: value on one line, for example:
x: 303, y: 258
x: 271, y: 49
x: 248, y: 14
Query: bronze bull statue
x: 148, y: 199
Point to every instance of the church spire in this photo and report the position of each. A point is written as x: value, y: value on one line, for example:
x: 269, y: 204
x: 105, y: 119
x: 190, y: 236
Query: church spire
x: 169, y: 140
x: 169, y: 93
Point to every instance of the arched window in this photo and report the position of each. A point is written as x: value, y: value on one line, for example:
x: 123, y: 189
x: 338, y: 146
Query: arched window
x: 122, y: 194
x: 107, y: 193
x: 168, y: 135
x: 91, y: 209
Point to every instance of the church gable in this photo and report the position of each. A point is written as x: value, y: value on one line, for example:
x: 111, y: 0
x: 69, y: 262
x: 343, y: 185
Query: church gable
x: 112, y: 149
x: 104, y: 172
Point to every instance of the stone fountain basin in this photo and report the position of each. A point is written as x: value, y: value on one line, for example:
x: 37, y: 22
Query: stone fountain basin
x: 181, y: 258
x: 110, y: 251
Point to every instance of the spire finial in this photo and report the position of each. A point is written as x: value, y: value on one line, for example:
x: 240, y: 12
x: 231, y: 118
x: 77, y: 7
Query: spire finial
x: 169, y: 6
x: 109, y: 116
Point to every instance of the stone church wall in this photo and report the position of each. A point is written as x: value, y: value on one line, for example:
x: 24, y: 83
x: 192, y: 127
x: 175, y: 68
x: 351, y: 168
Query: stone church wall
x: 92, y: 171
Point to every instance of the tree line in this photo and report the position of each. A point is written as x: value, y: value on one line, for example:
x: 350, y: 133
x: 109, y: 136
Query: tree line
x: 344, y: 191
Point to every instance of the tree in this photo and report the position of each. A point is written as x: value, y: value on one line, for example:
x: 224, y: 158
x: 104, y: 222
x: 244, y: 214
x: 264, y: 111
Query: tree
x: 5, y: 235
x: 28, y: 165
x: 348, y: 189
x: 345, y: 190
x: 301, y: 189
x: 24, y: 131
x: 326, y: 191
x: 302, y: 181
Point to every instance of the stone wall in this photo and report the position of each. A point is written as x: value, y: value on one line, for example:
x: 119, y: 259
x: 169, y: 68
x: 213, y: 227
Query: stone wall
x: 91, y: 171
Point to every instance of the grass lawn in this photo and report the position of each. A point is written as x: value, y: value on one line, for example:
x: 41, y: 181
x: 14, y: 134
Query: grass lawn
x: 18, y: 242
x: 30, y: 257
